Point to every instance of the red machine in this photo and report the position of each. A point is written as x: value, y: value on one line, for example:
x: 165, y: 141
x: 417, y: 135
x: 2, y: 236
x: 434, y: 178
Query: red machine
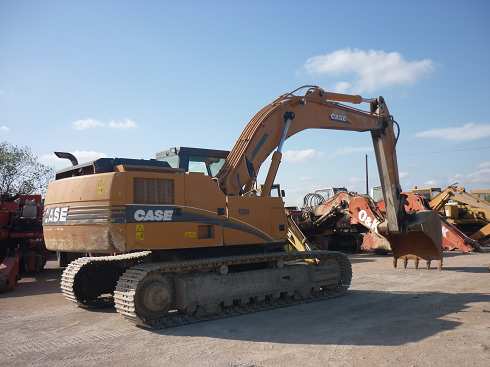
x: 452, y: 237
x: 352, y: 220
x: 346, y: 221
x: 22, y: 247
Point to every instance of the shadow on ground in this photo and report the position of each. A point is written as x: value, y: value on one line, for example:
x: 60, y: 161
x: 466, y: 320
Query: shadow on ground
x: 364, y: 257
x: 46, y: 282
x: 359, y: 318
x: 467, y: 269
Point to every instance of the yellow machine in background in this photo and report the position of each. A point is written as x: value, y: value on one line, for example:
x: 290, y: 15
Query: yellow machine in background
x: 191, y: 236
x: 482, y: 194
x: 428, y: 193
x: 467, y: 211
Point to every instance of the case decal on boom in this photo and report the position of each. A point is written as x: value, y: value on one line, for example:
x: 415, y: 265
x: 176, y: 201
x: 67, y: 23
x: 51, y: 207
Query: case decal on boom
x: 338, y: 117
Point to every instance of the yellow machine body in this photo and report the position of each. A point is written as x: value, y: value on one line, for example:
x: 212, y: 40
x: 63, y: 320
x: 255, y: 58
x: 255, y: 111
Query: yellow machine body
x: 124, y: 211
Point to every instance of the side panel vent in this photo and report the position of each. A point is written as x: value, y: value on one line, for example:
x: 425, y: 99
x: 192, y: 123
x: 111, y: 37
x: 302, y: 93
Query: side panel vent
x: 153, y: 191
x: 205, y: 231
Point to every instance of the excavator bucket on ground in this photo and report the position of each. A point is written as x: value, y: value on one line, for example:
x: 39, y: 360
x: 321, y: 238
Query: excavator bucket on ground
x: 422, y: 240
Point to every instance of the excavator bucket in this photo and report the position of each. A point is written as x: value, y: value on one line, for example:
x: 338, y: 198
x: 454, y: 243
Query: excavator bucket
x: 422, y: 240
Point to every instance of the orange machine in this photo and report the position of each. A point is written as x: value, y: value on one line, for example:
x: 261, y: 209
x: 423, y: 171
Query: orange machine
x: 188, y: 246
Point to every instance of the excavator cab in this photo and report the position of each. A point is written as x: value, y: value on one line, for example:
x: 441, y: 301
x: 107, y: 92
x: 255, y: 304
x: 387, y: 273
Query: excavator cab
x: 206, y: 161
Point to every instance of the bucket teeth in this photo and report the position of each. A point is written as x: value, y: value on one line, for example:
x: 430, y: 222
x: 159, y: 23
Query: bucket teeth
x: 405, y: 259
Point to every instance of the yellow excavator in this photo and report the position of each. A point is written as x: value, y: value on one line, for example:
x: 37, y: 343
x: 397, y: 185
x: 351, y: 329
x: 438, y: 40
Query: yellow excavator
x: 474, y: 213
x: 192, y: 236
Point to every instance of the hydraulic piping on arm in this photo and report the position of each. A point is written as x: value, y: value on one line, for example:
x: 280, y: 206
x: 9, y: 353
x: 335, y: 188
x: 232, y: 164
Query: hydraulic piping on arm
x: 276, y: 156
x: 411, y: 235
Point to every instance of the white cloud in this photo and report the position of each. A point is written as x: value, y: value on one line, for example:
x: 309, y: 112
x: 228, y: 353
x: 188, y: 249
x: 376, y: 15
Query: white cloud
x: 82, y: 155
x: 91, y: 123
x: 305, y: 178
x: 371, y: 69
x: 431, y: 183
x: 342, y: 87
x: 403, y: 174
x: 299, y: 156
x: 467, y: 132
x: 4, y: 129
x: 87, y: 124
x: 123, y: 124
x: 481, y: 176
x: 355, y: 180
x: 484, y: 164
x: 349, y: 151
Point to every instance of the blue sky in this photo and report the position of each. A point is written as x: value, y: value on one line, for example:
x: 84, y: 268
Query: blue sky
x: 127, y: 79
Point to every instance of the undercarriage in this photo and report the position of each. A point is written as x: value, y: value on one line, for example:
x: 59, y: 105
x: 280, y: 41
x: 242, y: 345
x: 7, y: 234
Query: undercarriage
x: 173, y: 293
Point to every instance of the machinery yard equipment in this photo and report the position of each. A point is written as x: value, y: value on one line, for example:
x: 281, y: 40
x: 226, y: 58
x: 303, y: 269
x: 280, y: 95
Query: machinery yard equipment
x: 348, y: 222
x: 452, y: 237
x: 468, y: 212
x: 482, y: 194
x: 428, y: 193
x: 345, y: 221
x: 186, y: 246
x: 21, y: 238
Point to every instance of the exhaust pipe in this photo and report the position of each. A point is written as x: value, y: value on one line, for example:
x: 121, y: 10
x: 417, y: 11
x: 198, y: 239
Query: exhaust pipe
x: 69, y: 156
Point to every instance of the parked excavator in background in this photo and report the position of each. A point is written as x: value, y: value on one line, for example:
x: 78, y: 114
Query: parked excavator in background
x: 22, y: 247
x: 185, y: 246
x: 452, y: 237
x: 347, y: 221
x: 468, y: 212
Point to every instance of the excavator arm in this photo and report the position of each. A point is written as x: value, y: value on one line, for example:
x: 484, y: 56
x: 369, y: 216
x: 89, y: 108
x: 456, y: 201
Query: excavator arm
x: 317, y: 109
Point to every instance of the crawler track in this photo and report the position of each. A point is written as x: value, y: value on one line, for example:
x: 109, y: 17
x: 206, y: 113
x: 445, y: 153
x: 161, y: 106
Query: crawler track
x: 127, y: 285
x: 86, y: 280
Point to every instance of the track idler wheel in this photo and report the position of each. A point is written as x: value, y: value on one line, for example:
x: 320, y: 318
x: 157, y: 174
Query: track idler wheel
x: 154, y: 297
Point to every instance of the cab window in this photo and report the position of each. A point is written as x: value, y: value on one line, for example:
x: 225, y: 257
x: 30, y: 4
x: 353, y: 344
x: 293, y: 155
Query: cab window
x: 210, y: 166
x: 172, y: 160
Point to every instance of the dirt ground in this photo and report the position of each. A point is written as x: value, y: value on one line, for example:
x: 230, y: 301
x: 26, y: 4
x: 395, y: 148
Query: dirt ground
x: 389, y: 318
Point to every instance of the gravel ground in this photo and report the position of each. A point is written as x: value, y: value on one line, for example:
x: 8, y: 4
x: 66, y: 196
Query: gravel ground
x: 390, y: 317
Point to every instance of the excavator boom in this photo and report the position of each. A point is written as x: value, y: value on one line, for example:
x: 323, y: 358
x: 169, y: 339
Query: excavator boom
x: 415, y: 235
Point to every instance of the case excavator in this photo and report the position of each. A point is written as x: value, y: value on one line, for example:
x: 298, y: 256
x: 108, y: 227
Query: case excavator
x: 174, y: 246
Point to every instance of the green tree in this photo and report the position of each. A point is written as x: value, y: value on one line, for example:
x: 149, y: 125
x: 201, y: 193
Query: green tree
x: 21, y: 172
